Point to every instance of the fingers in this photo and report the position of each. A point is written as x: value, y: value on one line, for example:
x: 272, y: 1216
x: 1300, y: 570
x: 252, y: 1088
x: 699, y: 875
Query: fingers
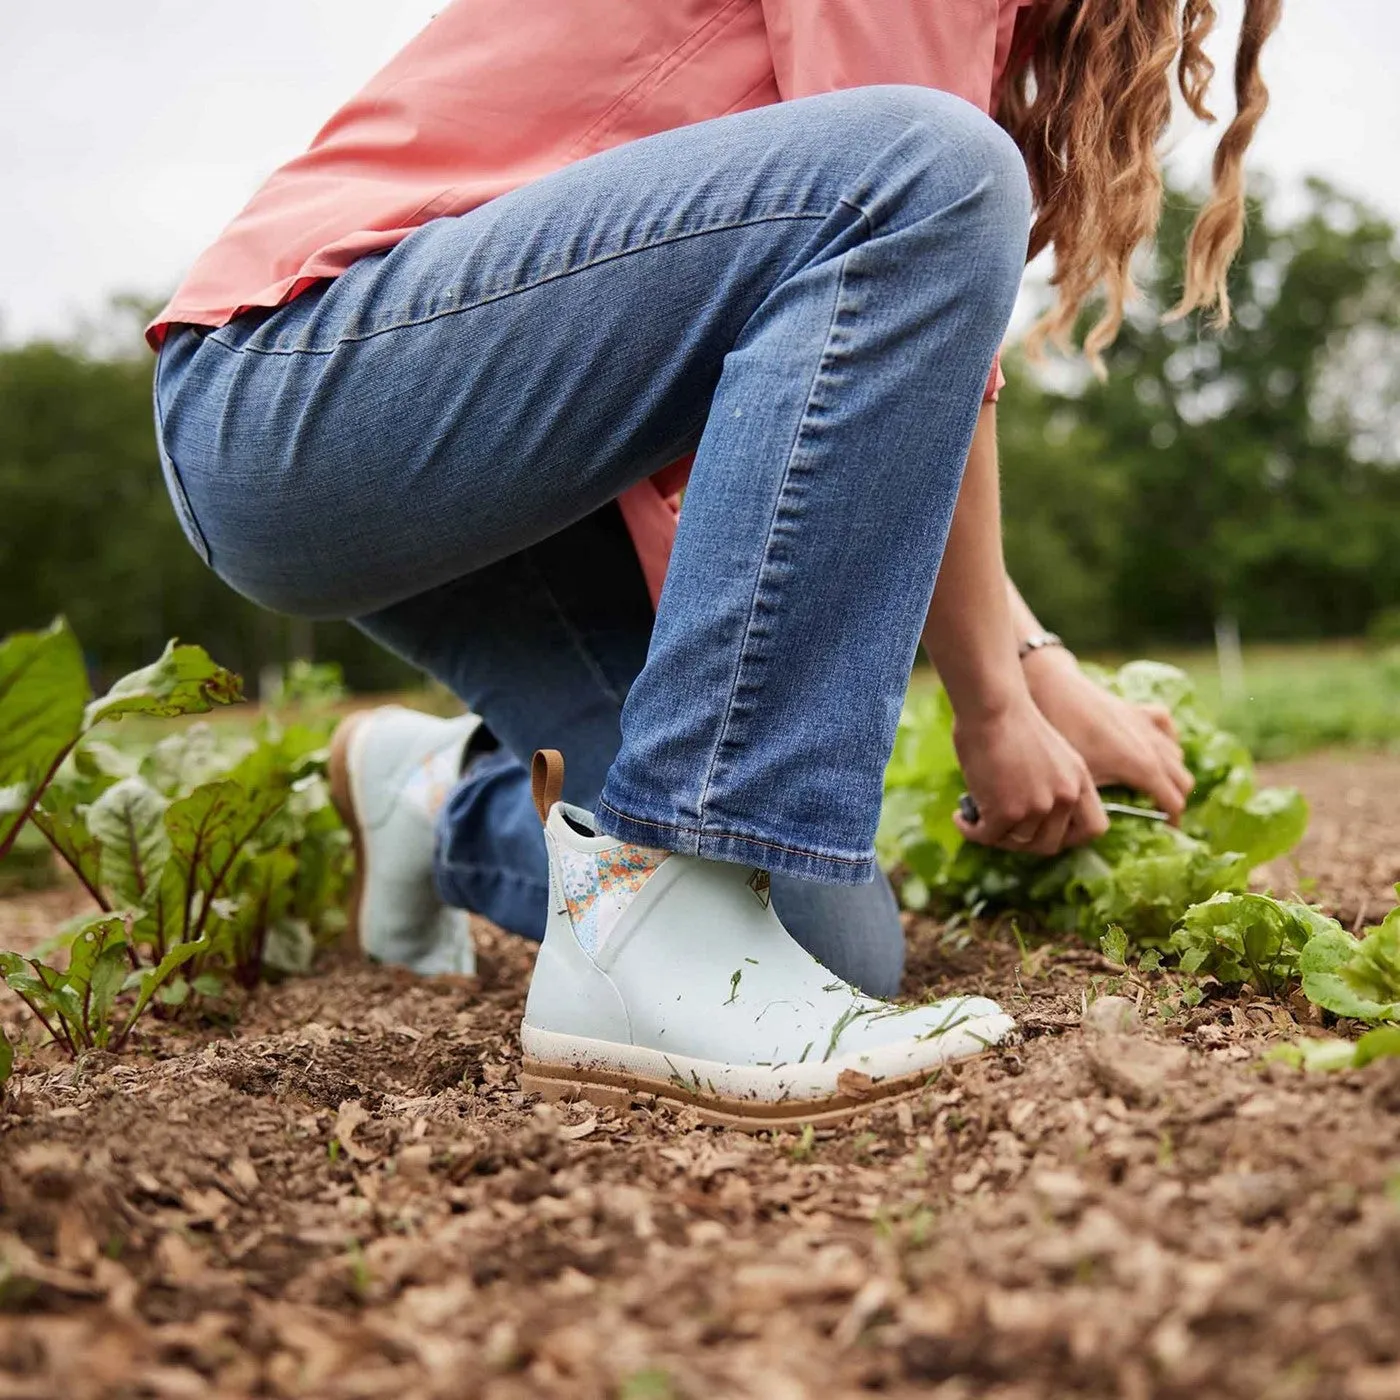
x: 1167, y: 780
x: 1089, y: 821
x: 1043, y: 824
x: 1162, y: 720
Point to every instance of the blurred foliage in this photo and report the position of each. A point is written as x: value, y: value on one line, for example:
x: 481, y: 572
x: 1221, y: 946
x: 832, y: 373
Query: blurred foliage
x: 1251, y: 472
x: 86, y: 528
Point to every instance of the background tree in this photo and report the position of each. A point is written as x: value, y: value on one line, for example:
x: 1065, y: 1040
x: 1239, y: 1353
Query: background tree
x: 1250, y: 472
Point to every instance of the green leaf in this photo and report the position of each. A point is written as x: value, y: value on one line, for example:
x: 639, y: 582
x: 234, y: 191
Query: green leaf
x: 97, y: 969
x: 289, y: 949
x: 189, y: 757
x: 1247, y: 938
x: 1115, y: 946
x: 1374, y: 971
x: 1333, y: 1055
x: 64, y: 824
x: 1316, y: 1056
x: 150, y: 980
x: 1260, y: 825
x: 1331, y: 976
x: 1381, y: 1043
x: 1154, y: 683
x: 210, y: 830
x: 129, y: 822
x: 7, y: 1057
x: 43, y: 688
x: 176, y: 992
x: 184, y: 681
x: 266, y: 887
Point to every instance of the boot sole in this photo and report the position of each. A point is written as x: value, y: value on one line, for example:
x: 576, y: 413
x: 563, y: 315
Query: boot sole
x: 343, y: 801
x: 856, y: 1093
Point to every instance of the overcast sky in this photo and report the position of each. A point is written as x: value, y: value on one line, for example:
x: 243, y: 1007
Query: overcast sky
x: 132, y: 130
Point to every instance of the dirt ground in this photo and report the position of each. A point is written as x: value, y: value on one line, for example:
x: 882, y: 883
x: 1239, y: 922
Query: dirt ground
x: 344, y: 1194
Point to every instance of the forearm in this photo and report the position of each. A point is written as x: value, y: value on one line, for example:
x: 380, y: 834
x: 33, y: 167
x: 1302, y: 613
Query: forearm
x: 971, y: 631
x: 1024, y: 622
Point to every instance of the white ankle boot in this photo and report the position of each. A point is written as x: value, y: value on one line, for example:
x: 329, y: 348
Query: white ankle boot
x: 390, y: 771
x: 674, y: 980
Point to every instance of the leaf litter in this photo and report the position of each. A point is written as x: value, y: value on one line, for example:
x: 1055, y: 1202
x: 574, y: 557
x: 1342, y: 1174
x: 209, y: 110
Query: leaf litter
x: 1133, y: 1202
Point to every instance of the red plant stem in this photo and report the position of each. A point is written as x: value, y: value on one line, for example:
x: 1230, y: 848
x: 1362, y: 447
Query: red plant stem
x: 33, y: 801
x: 44, y: 1021
x: 102, y: 901
x: 219, y: 879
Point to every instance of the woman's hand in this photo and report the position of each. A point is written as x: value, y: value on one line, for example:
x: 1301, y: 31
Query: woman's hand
x: 1130, y: 745
x: 1033, y: 791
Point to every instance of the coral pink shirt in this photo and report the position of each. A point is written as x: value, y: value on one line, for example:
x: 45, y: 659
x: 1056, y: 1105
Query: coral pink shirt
x: 495, y: 93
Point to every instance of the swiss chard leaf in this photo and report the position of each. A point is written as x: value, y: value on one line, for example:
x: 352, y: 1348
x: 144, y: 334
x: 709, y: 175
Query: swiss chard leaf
x: 129, y: 822
x: 183, y: 681
x: 189, y: 757
x: 43, y: 689
x: 210, y: 832
x: 64, y: 824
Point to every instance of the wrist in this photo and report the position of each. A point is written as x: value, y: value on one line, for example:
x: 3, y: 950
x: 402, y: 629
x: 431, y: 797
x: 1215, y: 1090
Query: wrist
x: 1046, y: 661
x: 991, y: 702
x: 1037, y: 640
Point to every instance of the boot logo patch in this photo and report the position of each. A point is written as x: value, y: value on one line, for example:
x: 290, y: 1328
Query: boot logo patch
x: 759, y: 883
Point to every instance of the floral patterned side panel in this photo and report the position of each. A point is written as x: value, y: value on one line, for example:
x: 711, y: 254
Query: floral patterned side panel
x: 598, y: 887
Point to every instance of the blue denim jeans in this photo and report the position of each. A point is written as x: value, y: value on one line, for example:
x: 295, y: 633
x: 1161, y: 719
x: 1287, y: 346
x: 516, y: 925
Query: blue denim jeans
x: 809, y: 295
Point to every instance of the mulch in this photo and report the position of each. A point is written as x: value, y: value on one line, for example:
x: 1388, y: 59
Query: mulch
x: 343, y: 1193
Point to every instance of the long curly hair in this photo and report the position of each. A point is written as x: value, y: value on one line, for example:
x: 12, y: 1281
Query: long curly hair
x: 1088, y: 96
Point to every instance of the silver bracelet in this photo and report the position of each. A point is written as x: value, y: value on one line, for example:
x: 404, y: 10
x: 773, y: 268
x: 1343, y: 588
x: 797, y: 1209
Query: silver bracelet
x: 1037, y: 642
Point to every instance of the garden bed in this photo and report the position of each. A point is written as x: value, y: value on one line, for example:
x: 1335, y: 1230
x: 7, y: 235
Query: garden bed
x: 344, y: 1194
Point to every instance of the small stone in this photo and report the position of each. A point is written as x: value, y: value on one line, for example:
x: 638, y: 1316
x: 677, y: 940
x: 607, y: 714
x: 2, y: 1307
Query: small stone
x: 1138, y: 1071
x: 414, y: 1160
x: 1061, y: 1193
x: 1111, y: 1016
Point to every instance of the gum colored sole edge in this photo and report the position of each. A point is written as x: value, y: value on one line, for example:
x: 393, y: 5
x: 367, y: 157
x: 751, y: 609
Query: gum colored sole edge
x: 342, y: 800
x: 606, y: 1089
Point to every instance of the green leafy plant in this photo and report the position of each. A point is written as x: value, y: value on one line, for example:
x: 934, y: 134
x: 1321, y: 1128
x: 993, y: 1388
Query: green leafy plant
x: 1354, y: 977
x: 1249, y: 938
x: 1331, y: 1055
x: 78, y: 1005
x: 210, y: 860
x: 46, y: 707
x: 1141, y: 875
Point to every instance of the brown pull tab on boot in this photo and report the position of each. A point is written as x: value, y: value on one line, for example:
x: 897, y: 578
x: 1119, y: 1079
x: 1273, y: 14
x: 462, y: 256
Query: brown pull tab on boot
x: 546, y: 780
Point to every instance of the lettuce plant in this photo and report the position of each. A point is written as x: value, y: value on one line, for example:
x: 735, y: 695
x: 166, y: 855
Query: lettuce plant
x: 1140, y: 875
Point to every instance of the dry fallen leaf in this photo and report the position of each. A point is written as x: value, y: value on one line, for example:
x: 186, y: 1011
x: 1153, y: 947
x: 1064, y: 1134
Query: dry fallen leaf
x: 348, y: 1117
x: 574, y: 1131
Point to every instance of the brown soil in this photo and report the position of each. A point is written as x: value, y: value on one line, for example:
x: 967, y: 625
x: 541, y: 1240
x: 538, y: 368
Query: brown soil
x: 346, y: 1195
x: 1350, y: 858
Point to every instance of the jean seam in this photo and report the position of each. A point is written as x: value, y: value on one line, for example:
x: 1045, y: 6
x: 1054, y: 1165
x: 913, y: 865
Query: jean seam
x: 509, y: 292
x: 709, y: 834
x: 797, y: 437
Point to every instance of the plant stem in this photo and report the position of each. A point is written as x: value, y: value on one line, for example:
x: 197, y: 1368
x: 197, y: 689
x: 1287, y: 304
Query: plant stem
x: 101, y: 899
x: 66, y: 1040
x: 33, y: 801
